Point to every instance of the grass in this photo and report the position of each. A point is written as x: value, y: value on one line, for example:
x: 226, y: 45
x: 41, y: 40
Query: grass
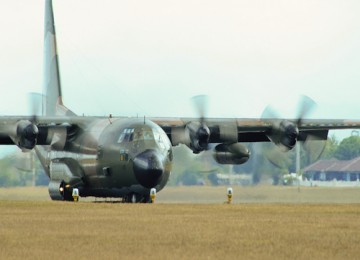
x: 37, y: 228
x: 211, y: 194
x: 260, y: 194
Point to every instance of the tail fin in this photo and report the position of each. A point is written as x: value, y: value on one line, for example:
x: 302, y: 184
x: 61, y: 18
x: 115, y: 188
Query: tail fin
x: 52, y: 104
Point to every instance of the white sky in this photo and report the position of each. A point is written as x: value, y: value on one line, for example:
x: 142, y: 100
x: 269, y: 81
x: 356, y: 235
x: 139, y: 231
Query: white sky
x: 150, y: 57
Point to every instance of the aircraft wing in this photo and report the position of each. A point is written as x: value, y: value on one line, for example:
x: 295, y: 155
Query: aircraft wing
x: 280, y: 131
x: 20, y: 130
x: 28, y: 131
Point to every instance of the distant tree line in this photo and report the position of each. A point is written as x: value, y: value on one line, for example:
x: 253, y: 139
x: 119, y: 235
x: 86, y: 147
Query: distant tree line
x: 347, y: 149
x: 190, y: 169
x: 201, y: 169
x: 260, y: 166
x: 13, y: 173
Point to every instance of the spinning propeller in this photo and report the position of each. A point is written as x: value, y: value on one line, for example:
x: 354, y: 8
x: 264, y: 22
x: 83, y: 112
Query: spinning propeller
x: 196, y: 135
x: 35, y: 105
x: 285, y: 133
x: 25, y: 132
x: 199, y: 131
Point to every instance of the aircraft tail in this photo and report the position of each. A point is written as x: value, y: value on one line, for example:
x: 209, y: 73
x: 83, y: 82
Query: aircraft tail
x: 52, y: 103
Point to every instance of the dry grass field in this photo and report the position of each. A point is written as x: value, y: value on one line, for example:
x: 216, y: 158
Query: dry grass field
x: 184, y: 223
x: 211, y: 194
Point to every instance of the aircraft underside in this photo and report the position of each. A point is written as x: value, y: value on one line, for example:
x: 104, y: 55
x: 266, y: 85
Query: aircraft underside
x: 134, y: 194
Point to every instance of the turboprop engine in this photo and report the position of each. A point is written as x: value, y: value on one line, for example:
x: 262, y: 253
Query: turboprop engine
x: 199, y: 135
x: 284, y: 134
x: 24, y: 134
x: 194, y: 135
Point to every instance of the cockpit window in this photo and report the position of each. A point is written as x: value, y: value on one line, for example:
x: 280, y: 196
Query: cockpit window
x: 148, y: 135
x: 161, y: 139
x: 143, y: 135
x: 127, y: 135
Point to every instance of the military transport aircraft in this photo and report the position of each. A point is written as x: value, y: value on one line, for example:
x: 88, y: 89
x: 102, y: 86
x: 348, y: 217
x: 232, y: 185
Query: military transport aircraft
x: 127, y: 157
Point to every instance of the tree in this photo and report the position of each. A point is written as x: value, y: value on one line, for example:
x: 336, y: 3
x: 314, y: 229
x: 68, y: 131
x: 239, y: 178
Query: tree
x: 330, y: 148
x: 16, y: 170
x: 348, y: 149
x: 9, y: 175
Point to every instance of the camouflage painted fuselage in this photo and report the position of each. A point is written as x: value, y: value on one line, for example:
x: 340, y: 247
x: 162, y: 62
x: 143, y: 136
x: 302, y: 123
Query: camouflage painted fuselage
x: 108, y: 158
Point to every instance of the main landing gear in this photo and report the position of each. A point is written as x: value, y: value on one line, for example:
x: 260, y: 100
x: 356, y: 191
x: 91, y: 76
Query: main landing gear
x: 140, y: 198
x: 59, y: 190
x: 136, y: 198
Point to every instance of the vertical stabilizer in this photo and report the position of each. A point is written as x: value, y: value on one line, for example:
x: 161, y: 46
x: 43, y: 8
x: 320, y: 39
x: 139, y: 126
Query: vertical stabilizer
x: 53, y: 104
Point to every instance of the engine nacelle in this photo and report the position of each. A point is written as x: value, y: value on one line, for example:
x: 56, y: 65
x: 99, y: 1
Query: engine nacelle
x: 24, y: 135
x: 284, y: 134
x: 194, y: 135
x: 235, y: 153
x: 199, y: 136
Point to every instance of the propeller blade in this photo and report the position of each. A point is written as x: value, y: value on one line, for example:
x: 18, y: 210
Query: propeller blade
x: 35, y: 104
x: 305, y: 106
x: 314, y: 146
x: 277, y: 157
x: 269, y: 113
x: 194, y: 134
x: 200, y: 104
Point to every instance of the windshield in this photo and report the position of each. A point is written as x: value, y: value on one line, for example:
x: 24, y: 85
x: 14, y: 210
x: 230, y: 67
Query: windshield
x: 145, y: 133
x: 127, y: 135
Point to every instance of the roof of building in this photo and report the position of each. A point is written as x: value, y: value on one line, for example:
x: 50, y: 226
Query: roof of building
x: 335, y: 165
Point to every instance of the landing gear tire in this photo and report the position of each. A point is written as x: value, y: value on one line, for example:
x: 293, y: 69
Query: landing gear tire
x: 59, y: 191
x: 146, y: 199
x: 136, y: 198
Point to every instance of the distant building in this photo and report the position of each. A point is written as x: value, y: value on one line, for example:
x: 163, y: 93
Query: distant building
x: 334, y: 170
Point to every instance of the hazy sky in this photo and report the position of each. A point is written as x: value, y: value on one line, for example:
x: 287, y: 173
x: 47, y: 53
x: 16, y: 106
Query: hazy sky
x: 150, y: 57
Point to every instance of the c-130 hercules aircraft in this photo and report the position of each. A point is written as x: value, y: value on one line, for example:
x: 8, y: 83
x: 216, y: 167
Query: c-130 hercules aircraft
x: 127, y: 157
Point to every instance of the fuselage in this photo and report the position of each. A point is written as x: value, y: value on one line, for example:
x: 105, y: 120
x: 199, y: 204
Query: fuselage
x: 109, y: 158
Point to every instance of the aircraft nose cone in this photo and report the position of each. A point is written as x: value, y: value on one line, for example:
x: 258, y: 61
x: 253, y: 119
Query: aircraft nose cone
x: 148, y: 168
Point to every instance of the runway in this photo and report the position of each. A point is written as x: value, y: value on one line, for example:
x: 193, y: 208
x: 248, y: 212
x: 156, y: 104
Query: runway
x: 35, y: 227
